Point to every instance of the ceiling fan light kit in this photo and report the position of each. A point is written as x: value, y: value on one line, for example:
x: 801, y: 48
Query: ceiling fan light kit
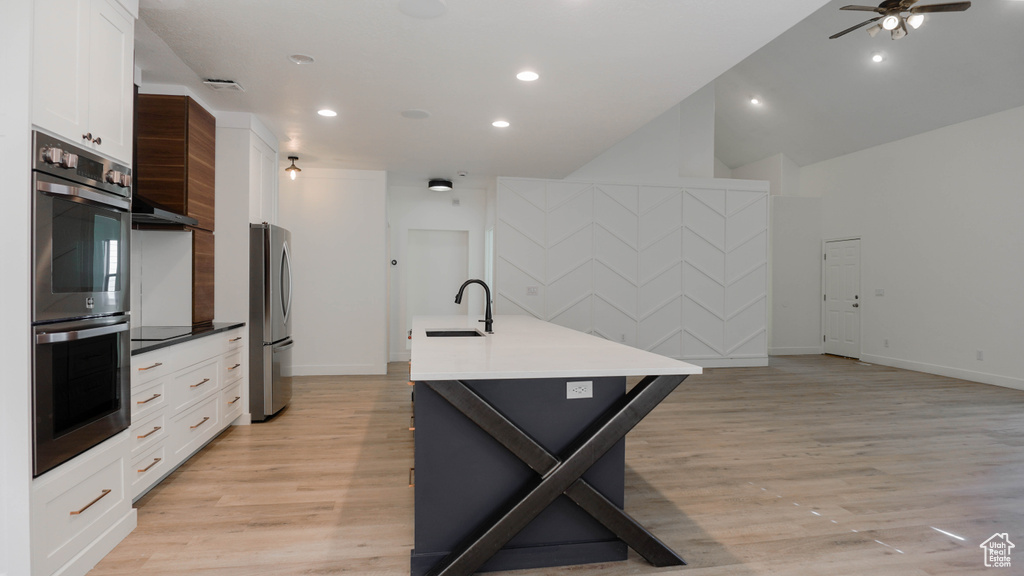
x: 895, y: 15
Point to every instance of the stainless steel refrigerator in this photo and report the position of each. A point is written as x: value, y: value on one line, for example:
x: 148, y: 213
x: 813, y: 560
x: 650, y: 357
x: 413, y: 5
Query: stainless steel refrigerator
x: 270, y: 322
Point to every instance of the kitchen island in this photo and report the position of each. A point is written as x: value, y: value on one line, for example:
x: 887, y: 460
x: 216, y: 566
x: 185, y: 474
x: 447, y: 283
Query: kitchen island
x: 520, y: 451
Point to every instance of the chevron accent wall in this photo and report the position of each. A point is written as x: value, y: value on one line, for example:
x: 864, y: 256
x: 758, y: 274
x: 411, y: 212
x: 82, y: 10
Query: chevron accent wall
x: 679, y: 271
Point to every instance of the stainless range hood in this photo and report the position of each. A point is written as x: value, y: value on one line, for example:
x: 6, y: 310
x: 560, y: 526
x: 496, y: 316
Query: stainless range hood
x: 147, y: 212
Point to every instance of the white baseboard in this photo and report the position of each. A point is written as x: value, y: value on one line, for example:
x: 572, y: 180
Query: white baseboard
x: 87, y: 559
x: 728, y: 362
x: 403, y: 356
x: 340, y: 370
x: 243, y: 420
x: 973, y: 376
x: 794, y: 351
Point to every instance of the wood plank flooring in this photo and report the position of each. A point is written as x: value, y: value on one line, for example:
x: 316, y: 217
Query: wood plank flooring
x: 813, y: 465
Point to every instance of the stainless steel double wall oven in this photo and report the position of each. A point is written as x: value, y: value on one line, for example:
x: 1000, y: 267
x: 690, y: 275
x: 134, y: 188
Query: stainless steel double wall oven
x: 81, y: 356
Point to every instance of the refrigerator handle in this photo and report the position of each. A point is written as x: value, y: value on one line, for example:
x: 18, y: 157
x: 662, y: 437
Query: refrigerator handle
x: 286, y: 260
x: 287, y: 346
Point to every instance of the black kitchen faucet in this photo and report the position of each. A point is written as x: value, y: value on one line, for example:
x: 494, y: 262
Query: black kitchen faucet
x: 488, y: 320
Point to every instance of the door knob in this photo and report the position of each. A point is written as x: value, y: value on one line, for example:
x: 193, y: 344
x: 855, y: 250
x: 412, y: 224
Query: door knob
x: 855, y: 305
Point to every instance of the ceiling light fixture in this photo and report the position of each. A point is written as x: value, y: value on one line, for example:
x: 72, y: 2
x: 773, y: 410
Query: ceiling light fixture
x: 877, y: 57
x: 327, y: 113
x: 915, y: 20
x: 755, y: 101
x: 500, y: 124
x: 439, y: 185
x: 293, y: 170
x: 301, y: 59
x: 527, y: 76
x: 890, y: 22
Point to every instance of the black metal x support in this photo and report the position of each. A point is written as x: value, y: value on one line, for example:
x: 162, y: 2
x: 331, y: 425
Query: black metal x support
x: 558, y: 476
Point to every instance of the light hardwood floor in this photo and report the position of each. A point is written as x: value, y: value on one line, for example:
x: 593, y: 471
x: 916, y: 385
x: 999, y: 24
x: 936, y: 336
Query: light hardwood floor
x: 813, y: 465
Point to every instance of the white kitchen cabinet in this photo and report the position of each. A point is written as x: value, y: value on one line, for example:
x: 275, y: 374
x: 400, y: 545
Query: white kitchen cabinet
x: 183, y: 396
x: 81, y: 510
x: 83, y: 55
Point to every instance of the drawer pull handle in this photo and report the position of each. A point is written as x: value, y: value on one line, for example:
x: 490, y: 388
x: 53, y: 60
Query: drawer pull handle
x: 150, y: 433
x: 151, y: 367
x: 148, y: 400
x: 412, y: 422
x: 412, y: 477
x: 237, y: 398
x: 89, y: 505
x: 154, y: 463
x: 201, y: 422
x: 205, y: 380
x: 236, y: 339
x: 235, y: 366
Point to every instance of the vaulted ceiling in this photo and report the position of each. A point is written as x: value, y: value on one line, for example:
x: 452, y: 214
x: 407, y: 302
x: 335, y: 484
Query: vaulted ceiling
x: 606, y: 68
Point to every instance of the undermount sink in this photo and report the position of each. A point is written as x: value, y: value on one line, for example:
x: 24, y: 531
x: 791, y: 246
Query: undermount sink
x: 452, y: 333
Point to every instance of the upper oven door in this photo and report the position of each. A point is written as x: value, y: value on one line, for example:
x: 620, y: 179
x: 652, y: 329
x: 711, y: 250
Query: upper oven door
x: 80, y: 248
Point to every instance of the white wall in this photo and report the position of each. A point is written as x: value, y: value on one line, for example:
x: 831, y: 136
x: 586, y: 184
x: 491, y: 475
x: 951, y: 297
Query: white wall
x: 677, y: 270
x: 15, y: 155
x: 339, y: 252
x: 795, y: 288
x: 940, y: 217
x: 678, y: 144
x: 416, y: 208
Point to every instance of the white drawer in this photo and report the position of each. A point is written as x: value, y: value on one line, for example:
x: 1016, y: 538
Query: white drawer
x: 149, y: 432
x: 149, y: 399
x: 231, y: 401
x: 190, y: 430
x: 75, y: 504
x: 233, y: 368
x: 147, y: 468
x: 195, y: 384
x: 146, y: 367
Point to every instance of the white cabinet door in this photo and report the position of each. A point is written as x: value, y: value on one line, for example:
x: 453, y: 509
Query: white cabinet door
x: 60, y: 67
x: 111, y: 55
x: 82, y: 73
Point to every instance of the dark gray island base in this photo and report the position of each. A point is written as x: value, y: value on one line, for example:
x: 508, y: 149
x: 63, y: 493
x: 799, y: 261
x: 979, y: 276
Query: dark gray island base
x: 510, y: 474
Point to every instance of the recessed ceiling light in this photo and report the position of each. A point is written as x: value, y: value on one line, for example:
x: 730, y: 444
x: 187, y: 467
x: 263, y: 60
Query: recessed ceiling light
x: 301, y: 59
x: 877, y: 57
x: 415, y: 114
x: 527, y: 76
x: 499, y: 124
x: 755, y: 101
x: 327, y: 113
x: 424, y: 9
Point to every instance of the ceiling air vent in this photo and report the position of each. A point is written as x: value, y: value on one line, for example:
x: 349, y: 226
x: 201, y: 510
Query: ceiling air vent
x: 224, y: 85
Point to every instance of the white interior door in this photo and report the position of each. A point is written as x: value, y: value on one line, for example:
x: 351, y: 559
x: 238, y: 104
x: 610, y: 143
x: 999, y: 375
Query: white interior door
x: 842, y: 298
x: 438, y: 263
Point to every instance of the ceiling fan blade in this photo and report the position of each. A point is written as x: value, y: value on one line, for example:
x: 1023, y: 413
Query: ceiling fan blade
x: 852, y: 28
x: 862, y: 8
x: 950, y: 7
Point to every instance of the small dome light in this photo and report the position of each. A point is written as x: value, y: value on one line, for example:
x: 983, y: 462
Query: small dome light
x: 528, y: 76
x: 500, y: 124
x: 327, y: 113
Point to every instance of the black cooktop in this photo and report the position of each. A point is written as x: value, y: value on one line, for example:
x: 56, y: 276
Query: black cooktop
x: 159, y: 333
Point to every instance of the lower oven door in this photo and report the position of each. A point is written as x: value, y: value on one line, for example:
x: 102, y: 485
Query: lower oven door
x: 81, y: 387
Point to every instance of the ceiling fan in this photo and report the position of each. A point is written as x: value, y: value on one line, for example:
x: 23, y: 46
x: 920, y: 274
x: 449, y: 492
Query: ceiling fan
x: 896, y: 14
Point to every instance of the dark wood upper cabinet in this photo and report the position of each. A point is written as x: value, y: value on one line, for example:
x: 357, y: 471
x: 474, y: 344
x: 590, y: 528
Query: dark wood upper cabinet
x: 175, y: 148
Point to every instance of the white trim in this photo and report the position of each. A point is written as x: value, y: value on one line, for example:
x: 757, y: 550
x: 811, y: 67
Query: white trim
x: 87, y: 559
x: 948, y: 371
x: 794, y: 351
x: 728, y: 362
x: 401, y: 356
x: 339, y: 370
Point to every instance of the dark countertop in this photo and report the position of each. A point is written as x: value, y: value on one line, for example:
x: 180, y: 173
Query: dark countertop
x: 141, y: 347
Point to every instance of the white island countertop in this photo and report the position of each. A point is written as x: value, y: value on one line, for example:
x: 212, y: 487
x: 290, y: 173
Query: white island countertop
x: 524, y: 347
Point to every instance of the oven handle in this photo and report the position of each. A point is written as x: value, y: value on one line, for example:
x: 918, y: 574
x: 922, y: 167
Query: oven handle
x: 54, y: 337
x: 87, y: 194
